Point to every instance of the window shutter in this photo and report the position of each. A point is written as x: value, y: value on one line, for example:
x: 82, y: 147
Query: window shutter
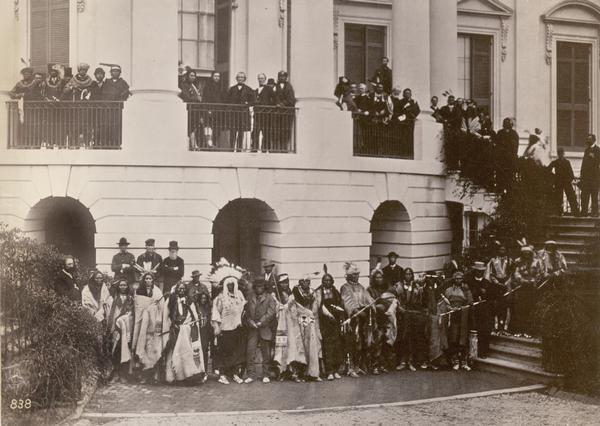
x: 59, y: 32
x: 49, y: 33
x: 354, y: 52
x: 481, y: 75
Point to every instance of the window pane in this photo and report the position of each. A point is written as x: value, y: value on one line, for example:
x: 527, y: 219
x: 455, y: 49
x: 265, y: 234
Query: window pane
x: 207, y: 27
x: 581, y: 127
x: 581, y: 50
x: 563, y: 82
x: 190, y: 26
x: 375, y: 48
x: 207, y: 6
x: 206, y: 58
x: 189, y: 53
x: 563, y: 127
x: 355, y: 33
x: 582, y: 80
x: 190, y: 5
x: 354, y: 63
x: 564, y: 50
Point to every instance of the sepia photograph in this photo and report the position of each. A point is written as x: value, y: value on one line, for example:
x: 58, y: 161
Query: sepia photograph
x: 298, y: 212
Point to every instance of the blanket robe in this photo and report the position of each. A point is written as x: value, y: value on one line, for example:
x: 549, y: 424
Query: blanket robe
x: 298, y: 338
x: 120, y: 326
x: 183, y: 358
x: 149, y: 344
x: 438, y: 337
x: 95, y: 307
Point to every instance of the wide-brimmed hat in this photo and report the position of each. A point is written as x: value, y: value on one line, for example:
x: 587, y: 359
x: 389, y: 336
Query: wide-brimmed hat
x: 173, y: 245
x: 282, y: 278
x: 196, y: 273
x: 458, y: 275
x: 550, y: 243
x: 123, y: 242
x: 479, y: 266
x: 268, y: 263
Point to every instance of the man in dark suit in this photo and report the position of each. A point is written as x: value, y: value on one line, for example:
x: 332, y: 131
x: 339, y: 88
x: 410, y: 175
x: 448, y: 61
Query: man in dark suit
x: 590, y: 176
x: 450, y: 117
x: 563, y: 182
x: 506, y: 154
x: 383, y: 75
x: 392, y: 273
x: 284, y: 98
x: 270, y: 276
x: 122, y: 262
x: 263, y: 114
x: 259, y: 315
x: 406, y: 111
x: 242, y: 96
x: 172, y: 268
x: 64, y: 283
x: 150, y: 260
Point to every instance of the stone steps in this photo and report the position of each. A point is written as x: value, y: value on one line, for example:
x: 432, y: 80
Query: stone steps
x: 517, y: 357
x: 572, y: 234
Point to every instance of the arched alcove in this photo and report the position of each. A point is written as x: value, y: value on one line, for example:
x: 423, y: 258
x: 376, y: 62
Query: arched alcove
x: 390, y: 231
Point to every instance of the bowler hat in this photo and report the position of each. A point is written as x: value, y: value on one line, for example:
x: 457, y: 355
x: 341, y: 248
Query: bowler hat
x: 173, y: 245
x: 150, y: 242
x: 123, y: 242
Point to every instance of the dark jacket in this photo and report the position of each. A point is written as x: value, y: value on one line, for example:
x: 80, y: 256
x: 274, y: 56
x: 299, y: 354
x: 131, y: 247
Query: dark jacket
x: 284, y: 95
x: 190, y: 92
x: 261, y: 309
x: 450, y: 116
x: 266, y: 96
x: 31, y: 91
x: 65, y: 286
x: 392, y: 275
x: 383, y: 75
x: 590, y: 166
x: 212, y: 93
x: 507, y: 144
x: 153, y: 258
x: 363, y: 103
x: 240, y: 95
x: 171, y: 271
x: 96, y: 90
x: 408, y: 107
x: 563, y: 172
x: 117, y: 261
x: 115, y: 90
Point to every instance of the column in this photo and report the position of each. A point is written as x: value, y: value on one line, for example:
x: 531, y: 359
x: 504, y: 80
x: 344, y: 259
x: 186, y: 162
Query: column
x: 154, y: 118
x: 311, y: 50
x: 8, y: 40
x: 411, y: 47
x: 443, y: 36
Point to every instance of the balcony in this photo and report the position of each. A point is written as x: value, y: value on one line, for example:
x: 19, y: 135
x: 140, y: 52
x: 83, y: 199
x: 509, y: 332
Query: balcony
x: 241, y: 128
x: 381, y: 139
x: 64, y: 125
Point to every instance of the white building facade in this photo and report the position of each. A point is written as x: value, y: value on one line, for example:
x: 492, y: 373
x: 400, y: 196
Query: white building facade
x: 534, y: 61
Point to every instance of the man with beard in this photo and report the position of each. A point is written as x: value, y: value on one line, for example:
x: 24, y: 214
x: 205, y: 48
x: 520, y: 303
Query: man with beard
x: 213, y: 121
x: 392, y: 273
x: 172, y: 268
x: 357, y: 302
x: 590, y: 176
x: 150, y: 260
x: 259, y: 314
x: 65, y: 284
x: 122, y: 262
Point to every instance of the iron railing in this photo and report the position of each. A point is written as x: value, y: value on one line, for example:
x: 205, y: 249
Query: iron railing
x: 65, y: 124
x: 566, y: 208
x: 237, y: 128
x: 377, y: 138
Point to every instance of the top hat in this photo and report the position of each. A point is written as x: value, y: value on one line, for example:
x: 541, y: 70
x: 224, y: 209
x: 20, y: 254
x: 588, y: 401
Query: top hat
x: 123, y: 242
x: 173, y: 245
x: 150, y: 242
x: 479, y: 266
x: 271, y: 81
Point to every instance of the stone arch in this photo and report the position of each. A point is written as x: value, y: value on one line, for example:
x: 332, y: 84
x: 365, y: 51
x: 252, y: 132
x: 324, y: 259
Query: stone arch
x: 391, y: 231
x: 246, y: 231
x: 65, y: 223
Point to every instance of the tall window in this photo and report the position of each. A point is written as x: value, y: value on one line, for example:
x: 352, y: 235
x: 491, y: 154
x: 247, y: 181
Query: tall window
x: 364, y: 45
x: 49, y: 33
x: 197, y: 33
x: 475, y: 69
x: 573, y: 83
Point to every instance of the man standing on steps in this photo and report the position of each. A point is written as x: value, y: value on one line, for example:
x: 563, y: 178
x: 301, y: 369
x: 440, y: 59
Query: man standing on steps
x: 590, y: 176
x: 563, y: 182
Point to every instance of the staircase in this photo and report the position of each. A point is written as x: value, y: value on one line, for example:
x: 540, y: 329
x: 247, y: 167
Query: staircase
x: 517, y: 357
x: 573, y: 234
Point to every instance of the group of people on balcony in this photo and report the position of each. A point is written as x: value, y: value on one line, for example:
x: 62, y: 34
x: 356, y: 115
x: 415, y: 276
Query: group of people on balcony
x: 60, y: 85
x: 384, y: 115
x: 243, y: 327
x: 240, y: 118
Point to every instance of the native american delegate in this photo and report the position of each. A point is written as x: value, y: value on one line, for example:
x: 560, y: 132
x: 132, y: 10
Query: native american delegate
x: 331, y: 311
x: 385, y: 330
x: 358, y: 304
x: 95, y: 295
x: 119, y: 326
x: 298, y: 344
x: 227, y: 310
x: 183, y: 351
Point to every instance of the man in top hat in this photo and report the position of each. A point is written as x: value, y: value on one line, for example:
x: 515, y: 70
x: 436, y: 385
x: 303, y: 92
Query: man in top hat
x: 115, y: 88
x: 172, y: 268
x: 482, y: 318
x: 269, y: 276
x: 553, y: 262
x: 284, y: 97
x: 122, y: 262
x: 150, y: 260
x: 392, y: 273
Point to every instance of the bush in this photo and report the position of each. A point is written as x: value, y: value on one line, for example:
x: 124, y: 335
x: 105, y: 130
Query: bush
x: 568, y: 318
x: 58, y: 341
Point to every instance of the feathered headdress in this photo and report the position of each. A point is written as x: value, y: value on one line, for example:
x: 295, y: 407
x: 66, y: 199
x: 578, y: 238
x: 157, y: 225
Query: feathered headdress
x: 377, y: 267
x: 223, y: 270
x: 351, y: 269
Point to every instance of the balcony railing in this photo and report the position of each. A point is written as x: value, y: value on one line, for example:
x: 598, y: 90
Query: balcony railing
x: 65, y: 124
x: 236, y: 128
x: 377, y: 138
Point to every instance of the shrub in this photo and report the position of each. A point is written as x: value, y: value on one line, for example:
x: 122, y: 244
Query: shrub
x: 59, y: 342
x: 568, y: 318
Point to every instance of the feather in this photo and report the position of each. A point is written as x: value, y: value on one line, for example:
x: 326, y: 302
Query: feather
x: 324, y: 268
